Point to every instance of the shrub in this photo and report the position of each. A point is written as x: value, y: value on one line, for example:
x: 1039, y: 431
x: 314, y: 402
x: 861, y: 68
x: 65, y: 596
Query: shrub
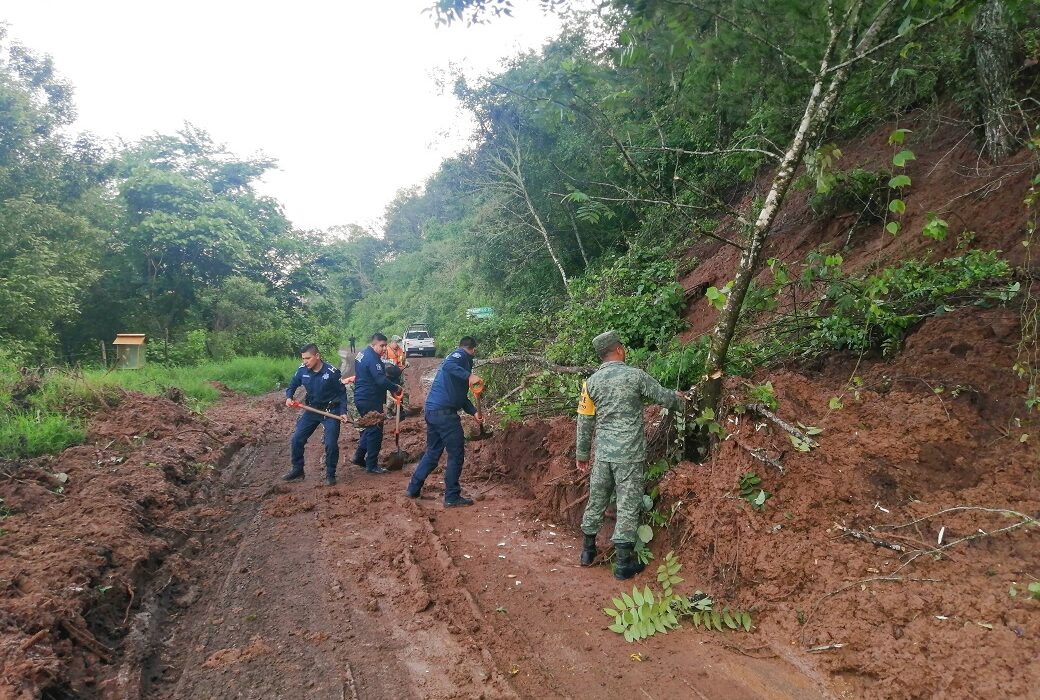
x: 636, y: 295
x: 854, y: 191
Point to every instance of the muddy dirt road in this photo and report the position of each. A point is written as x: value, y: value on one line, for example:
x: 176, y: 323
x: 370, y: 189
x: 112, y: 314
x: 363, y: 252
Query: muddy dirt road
x: 355, y: 591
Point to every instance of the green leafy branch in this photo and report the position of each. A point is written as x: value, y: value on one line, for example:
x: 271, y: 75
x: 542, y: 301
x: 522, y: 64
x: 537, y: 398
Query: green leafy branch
x: 751, y: 490
x: 642, y: 613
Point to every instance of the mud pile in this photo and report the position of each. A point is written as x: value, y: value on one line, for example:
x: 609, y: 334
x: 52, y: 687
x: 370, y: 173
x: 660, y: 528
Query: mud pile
x: 90, y: 529
x: 937, y: 428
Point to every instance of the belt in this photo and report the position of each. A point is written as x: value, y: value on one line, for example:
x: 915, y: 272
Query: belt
x: 441, y: 412
x: 326, y: 407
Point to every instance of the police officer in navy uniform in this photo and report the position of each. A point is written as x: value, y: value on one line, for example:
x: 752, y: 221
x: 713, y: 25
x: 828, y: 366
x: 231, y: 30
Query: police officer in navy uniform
x: 370, y: 387
x: 321, y: 381
x: 447, y: 397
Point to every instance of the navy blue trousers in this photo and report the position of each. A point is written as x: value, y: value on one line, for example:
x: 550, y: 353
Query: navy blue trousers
x: 443, y: 432
x: 371, y: 440
x: 305, y: 426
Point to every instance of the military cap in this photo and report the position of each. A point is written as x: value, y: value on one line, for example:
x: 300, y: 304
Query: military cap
x: 605, y: 341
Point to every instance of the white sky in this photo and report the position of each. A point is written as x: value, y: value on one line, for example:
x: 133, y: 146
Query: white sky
x: 343, y: 94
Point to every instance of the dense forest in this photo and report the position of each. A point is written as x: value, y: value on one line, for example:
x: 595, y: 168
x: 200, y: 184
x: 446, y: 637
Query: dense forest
x: 594, y: 164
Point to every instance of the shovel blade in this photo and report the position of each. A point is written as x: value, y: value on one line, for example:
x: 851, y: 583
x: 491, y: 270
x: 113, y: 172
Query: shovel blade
x: 395, y: 462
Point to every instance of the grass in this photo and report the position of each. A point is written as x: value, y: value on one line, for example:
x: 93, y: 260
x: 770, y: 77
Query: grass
x: 28, y: 435
x: 58, y: 410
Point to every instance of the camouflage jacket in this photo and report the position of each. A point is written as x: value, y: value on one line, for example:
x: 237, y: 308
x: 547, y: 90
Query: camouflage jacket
x: 612, y: 404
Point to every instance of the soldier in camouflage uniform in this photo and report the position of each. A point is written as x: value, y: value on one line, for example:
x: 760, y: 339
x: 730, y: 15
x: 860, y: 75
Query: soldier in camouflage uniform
x: 612, y: 403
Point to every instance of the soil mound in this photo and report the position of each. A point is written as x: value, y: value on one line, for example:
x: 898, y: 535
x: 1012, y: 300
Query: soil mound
x: 89, y: 529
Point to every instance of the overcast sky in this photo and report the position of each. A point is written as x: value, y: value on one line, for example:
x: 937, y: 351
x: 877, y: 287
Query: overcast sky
x: 343, y: 94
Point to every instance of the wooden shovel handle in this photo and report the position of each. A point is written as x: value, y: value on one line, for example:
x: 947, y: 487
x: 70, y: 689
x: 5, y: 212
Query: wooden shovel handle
x: 305, y: 407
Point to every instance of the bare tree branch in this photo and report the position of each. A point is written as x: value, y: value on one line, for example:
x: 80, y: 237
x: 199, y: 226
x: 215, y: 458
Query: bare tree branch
x: 717, y: 152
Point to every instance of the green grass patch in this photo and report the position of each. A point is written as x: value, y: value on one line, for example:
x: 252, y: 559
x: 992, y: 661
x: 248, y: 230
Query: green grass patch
x: 27, y: 435
x: 65, y: 398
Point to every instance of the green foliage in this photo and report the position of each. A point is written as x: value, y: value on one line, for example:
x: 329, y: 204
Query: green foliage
x: 856, y: 191
x: 875, y: 312
x: 34, y: 434
x: 1032, y: 590
x: 57, y: 407
x: 935, y: 228
x: 717, y: 297
x: 763, y: 394
x: 644, y: 613
x: 706, y: 422
x: 546, y: 394
x: 751, y: 490
x: 636, y: 295
x: 676, y: 364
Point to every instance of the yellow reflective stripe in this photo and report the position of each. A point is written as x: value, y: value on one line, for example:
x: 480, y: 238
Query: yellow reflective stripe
x: 585, y: 405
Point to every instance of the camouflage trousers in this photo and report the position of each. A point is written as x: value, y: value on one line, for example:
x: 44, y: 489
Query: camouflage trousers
x: 625, y: 478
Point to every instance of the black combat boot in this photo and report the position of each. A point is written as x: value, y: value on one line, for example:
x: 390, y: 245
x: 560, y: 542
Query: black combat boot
x: 588, y: 550
x: 628, y: 565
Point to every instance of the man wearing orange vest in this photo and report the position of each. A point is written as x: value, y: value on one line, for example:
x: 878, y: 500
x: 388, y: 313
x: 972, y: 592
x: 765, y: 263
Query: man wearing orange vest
x: 394, y: 352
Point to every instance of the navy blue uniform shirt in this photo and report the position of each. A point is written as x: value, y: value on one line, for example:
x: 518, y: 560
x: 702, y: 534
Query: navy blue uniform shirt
x: 451, y: 386
x: 371, y: 384
x: 324, y: 389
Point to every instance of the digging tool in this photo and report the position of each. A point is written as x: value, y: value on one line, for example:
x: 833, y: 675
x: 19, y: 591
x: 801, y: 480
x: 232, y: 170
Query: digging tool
x: 396, y: 460
x: 478, y: 389
x: 305, y: 407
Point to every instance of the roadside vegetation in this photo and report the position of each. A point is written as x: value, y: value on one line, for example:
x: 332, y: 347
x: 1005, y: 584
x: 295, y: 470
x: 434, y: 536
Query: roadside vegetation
x: 597, y: 164
x: 43, y: 412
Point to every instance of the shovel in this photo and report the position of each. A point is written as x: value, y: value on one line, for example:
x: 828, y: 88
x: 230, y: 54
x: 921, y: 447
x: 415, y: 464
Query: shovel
x: 477, y: 390
x: 305, y: 407
x: 395, y: 462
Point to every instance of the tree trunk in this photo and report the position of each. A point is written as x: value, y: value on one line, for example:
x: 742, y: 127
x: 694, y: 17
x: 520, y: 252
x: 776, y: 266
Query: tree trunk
x: 577, y: 236
x: 817, y: 111
x: 994, y: 66
x: 750, y: 259
x: 545, y: 234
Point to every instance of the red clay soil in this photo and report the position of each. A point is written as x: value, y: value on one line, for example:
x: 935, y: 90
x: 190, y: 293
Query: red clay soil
x: 949, y: 179
x: 244, y: 586
x: 909, y: 625
x: 91, y: 529
x: 226, y: 582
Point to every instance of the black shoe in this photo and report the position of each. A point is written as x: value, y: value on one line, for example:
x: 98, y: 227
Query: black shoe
x: 458, y: 502
x: 330, y: 480
x: 375, y: 470
x: 628, y: 564
x: 588, y: 551
x: 293, y: 476
x: 359, y: 461
x: 411, y: 494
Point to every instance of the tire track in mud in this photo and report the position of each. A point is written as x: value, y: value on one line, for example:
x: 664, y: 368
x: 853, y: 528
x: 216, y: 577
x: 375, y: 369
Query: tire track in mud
x: 409, y: 580
x: 280, y: 622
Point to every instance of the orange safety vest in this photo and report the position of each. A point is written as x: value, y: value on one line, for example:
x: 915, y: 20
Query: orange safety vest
x: 395, y: 356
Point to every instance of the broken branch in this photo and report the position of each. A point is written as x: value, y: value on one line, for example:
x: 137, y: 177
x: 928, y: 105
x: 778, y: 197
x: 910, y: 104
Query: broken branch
x: 872, y: 540
x: 763, y: 411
